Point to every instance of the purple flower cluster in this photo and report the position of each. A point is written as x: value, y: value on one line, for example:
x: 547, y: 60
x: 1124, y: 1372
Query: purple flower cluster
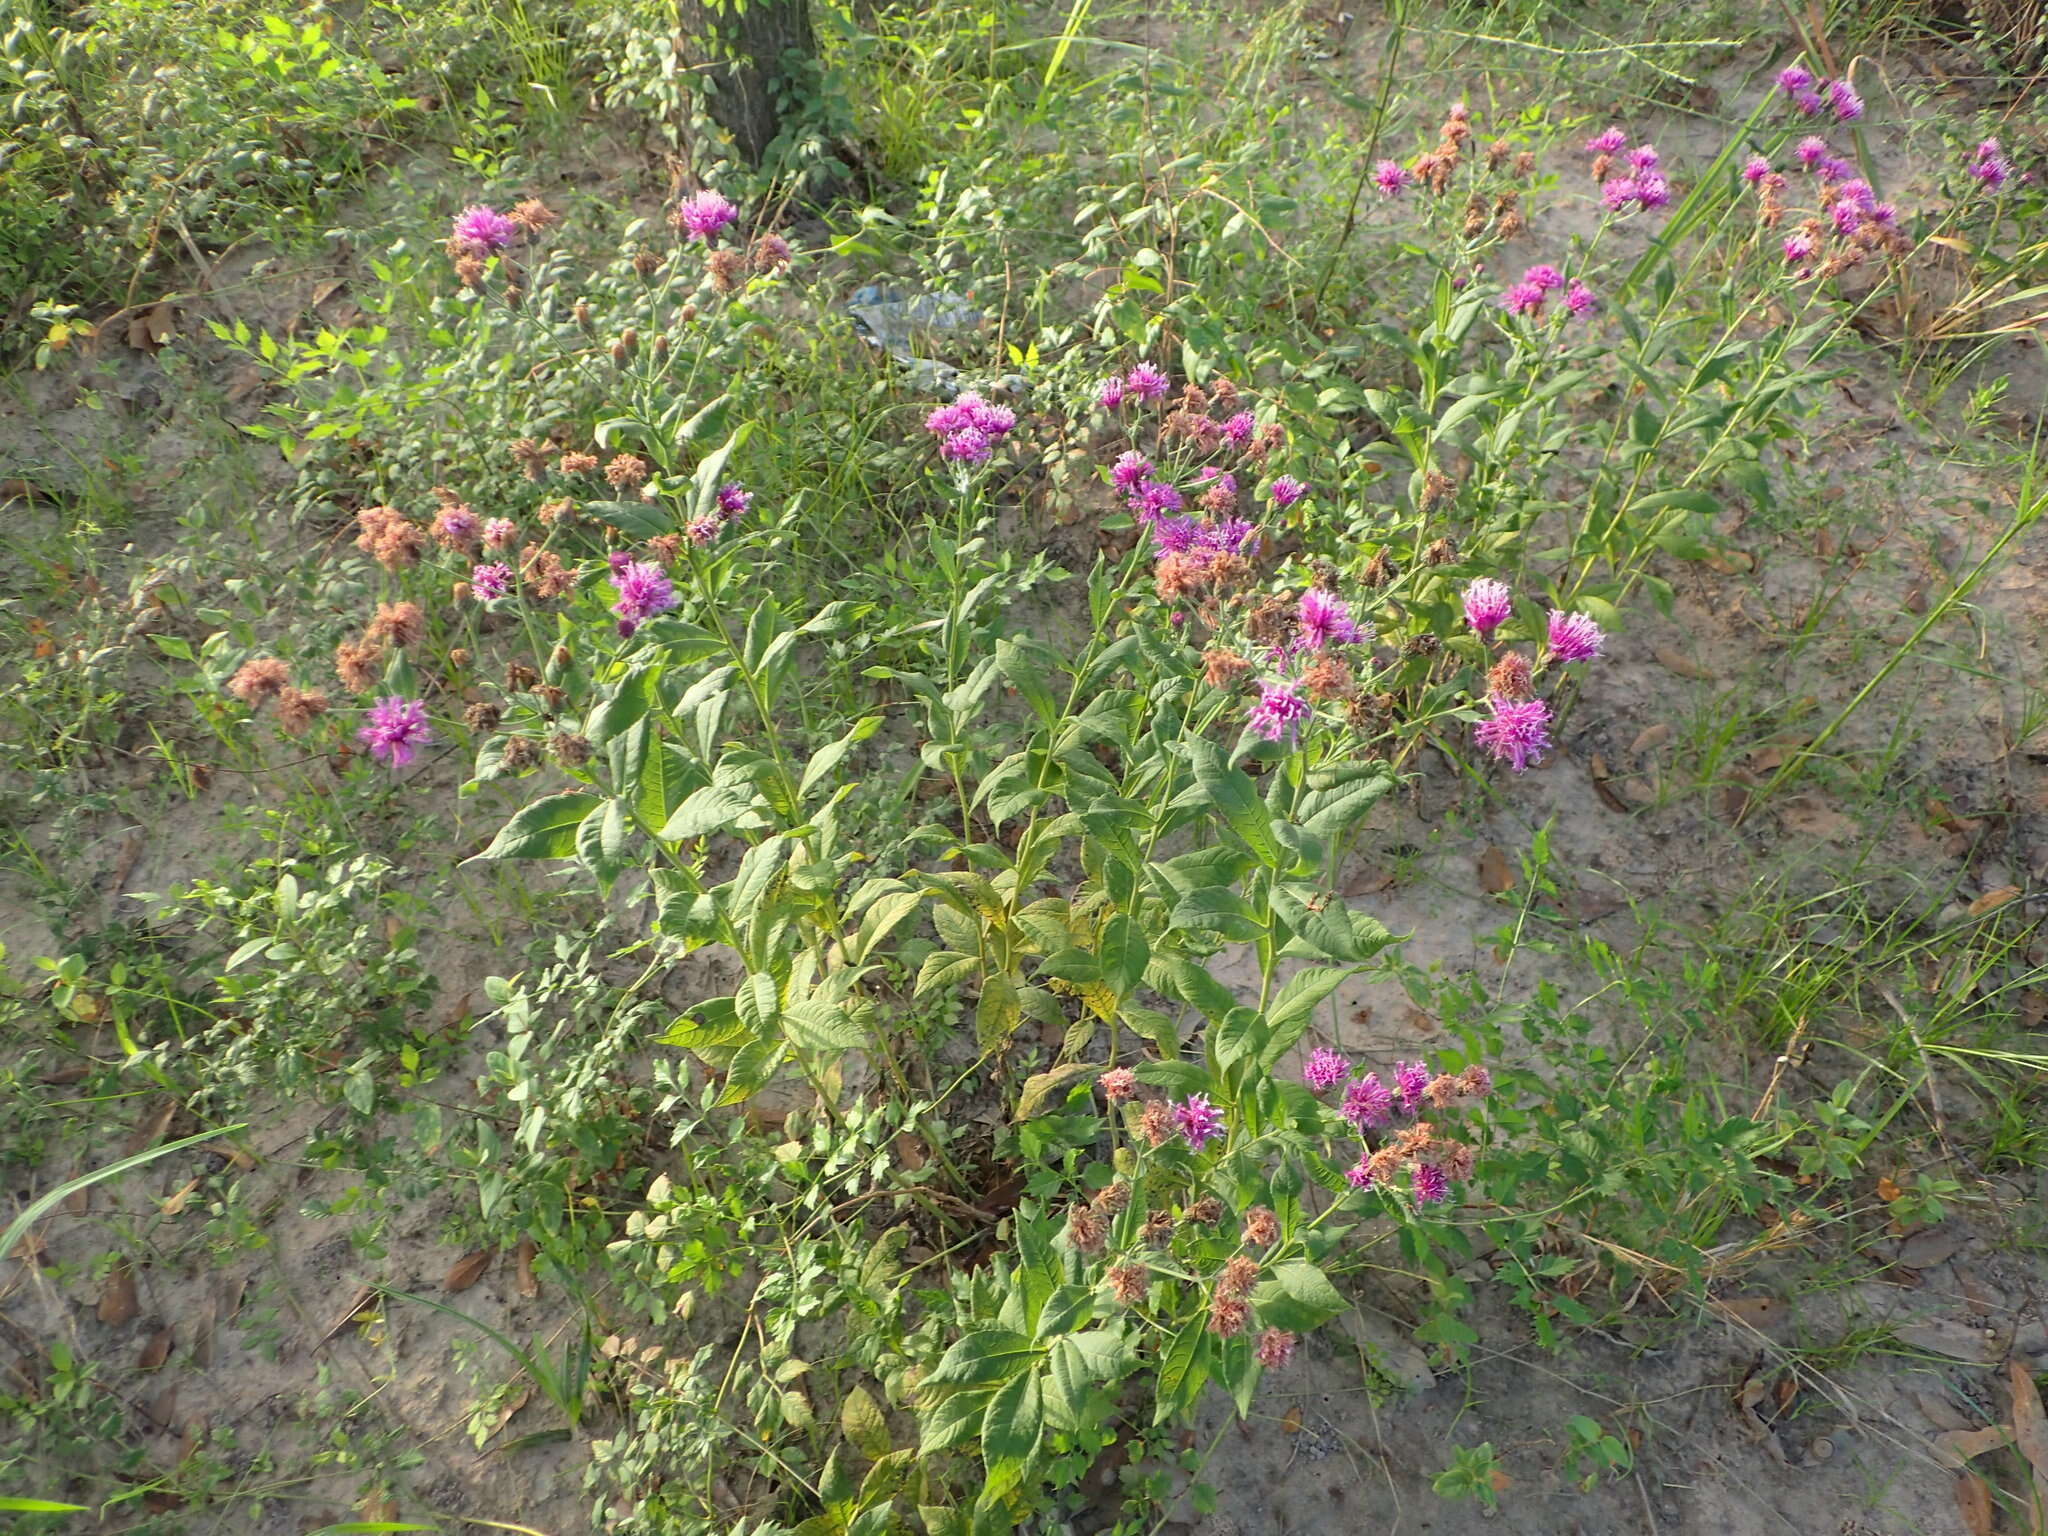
x: 703, y: 214
x: 482, y: 230
x: 1645, y: 185
x: 1391, y: 177
x: 1321, y: 620
x: 1280, y: 712
x: 1517, y: 733
x: 643, y: 591
x: 1527, y: 296
x: 1144, y: 382
x: 395, y: 730
x: 969, y: 428
x: 1811, y: 97
x: 1989, y: 165
x: 1517, y: 728
x: 490, y: 582
x: 1199, y: 1121
x: 1370, y: 1105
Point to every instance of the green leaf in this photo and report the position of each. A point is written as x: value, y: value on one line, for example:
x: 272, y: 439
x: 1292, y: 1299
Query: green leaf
x: 1296, y: 1296
x: 636, y: 519
x: 949, y: 1420
x: 998, y: 1011
x: 1013, y: 1424
x: 705, y: 481
x: 707, y: 423
x: 1040, y: 1087
x: 758, y: 1002
x: 545, y: 829
x: 1231, y: 793
x: 714, y: 808
x: 1217, y: 909
x: 667, y: 776
x: 828, y: 758
x: 1290, y: 1011
x: 1320, y: 919
x: 882, y: 918
x: 52, y: 1507
x: 816, y: 1025
x: 1124, y: 953
x: 1183, y: 1368
x: 1178, y: 976
x: 861, y: 1421
x: 992, y: 1355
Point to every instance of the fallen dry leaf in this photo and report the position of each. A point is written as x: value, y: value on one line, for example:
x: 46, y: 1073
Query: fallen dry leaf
x: 1495, y: 873
x: 467, y: 1270
x: 1953, y: 1340
x: 1991, y: 901
x: 1290, y: 1422
x: 327, y: 290
x: 1924, y: 1250
x: 2030, y: 1434
x: 163, y: 1408
x: 117, y: 1296
x: 156, y: 1351
x: 1888, y: 1189
x: 1603, y: 785
x: 523, y: 1278
x: 150, y: 1129
x: 201, y: 1352
x: 1367, y: 882
x: 1419, y: 1021
x: 1940, y: 1412
x: 1650, y: 738
x: 1915, y: 600
x: 364, y: 1295
x: 1750, y: 1311
x: 176, y: 1202
x: 1973, y: 1503
x: 1684, y: 666
x: 1954, y: 1448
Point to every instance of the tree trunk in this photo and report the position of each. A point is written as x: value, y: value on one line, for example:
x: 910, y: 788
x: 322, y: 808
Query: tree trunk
x: 743, y: 42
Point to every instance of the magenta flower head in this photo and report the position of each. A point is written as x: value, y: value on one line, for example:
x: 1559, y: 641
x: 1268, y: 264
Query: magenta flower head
x: 1239, y: 428
x: 1618, y: 195
x: 1578, y: 299
x: 499, y: 532
x: 703, y: 214
x: 395, y: 730
x: 1811, y: 150
x: 969, y: 445
x: 1430, y: 1184
x: 1275, y: 1348
x: 1808, y: 103
x: 1111, y: 395
x: 1410, y: 1078
x: 1989, y: 165
x: 1523, y: 298
x: 1545, y: 277
x: 1833, y: 169
x: 1390, y: 176
x: 1130, y: 468
x: 1286, y: 491
x: 1842, y: 97
x: 1231, y: 536
x: 1652, y: 190
x: 1643, y: 158
x: 1146, y: 382
x: 1359, y: 1174
x: 484, y: 227
x: 1487, y: 605
x: 1518, y: 734
x: 1323, y: 619
x: 1154, y: 499
x: 1200, y: 1121
x: 1606, y: 142
x: 490, y: 582
x: 1324, y: 1069
x: 1794, y: 79
x: 1173, y: 535
x: 1574, y: 637
x: 644, y: 590
x: 1799, y: 246
x: 1367, y: 1103
x: 733, y: 500
x: 1755, y: 169
x: 1280, y: 712
x: 1847, y: 218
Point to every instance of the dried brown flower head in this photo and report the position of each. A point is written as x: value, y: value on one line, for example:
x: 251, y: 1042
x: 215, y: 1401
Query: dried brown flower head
x: 1222, y: 669
x: 297, y: 710
x: 1238, y: 1275
x: 1440, y: 552
x: 358, y: 665
x: 1326, y: 678
x: 626, y: 472
x: 1509, y: 678
x: 1084, y: 1229
x: 260, y: 680
x: 1157, y: 1231
x: 1261, y: 1227
x: 1227, y: 1316
x: 531, y: 456
x: 533, y: 215
x: 482, y: 717
x: 519, y: 677
x: 401, y: 624
x: 574, y: 463
x: 725, y: 266
x: 1128, y: 1283
x: 1155, y: 1122
x: 1113, y: 1198
x: 520, y: 754
x: 1203, y: 1212
x: 1379, y: 570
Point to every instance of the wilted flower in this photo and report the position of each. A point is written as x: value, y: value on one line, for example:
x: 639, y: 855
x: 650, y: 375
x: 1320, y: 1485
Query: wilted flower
x: 1574, y: 637
x: 402, y: 624
x: 1227, y: 1316
x: 1508, y: 678
x: 389, y: 537
x: 1084, y: 1229
x: 482, y: 228
x: 703, y: 214
x: 490, y: 582
x: 1276, y: 1348
x: 1324, y: 1069
x: 1799, y: 245
x: 533, y: 215
x: 1518, y: 733
x: 1261, y: 1227
x: 1487, y: 605
x: 1280, y: 712
x: 258, y: 681
x: 771, y: 253
x: 1204, y: 1212
x: 1390, y: 177
x: 1155, y: 1122
x: 1128, y: 1283
x: 1200, y: 1121
x: 644, y: 590
x: 1119, y: 1084
x: 297, y: 710
x: 499, y: 532
x: 358, y: 665
x: 455, y: 526
x: 395, y: 730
